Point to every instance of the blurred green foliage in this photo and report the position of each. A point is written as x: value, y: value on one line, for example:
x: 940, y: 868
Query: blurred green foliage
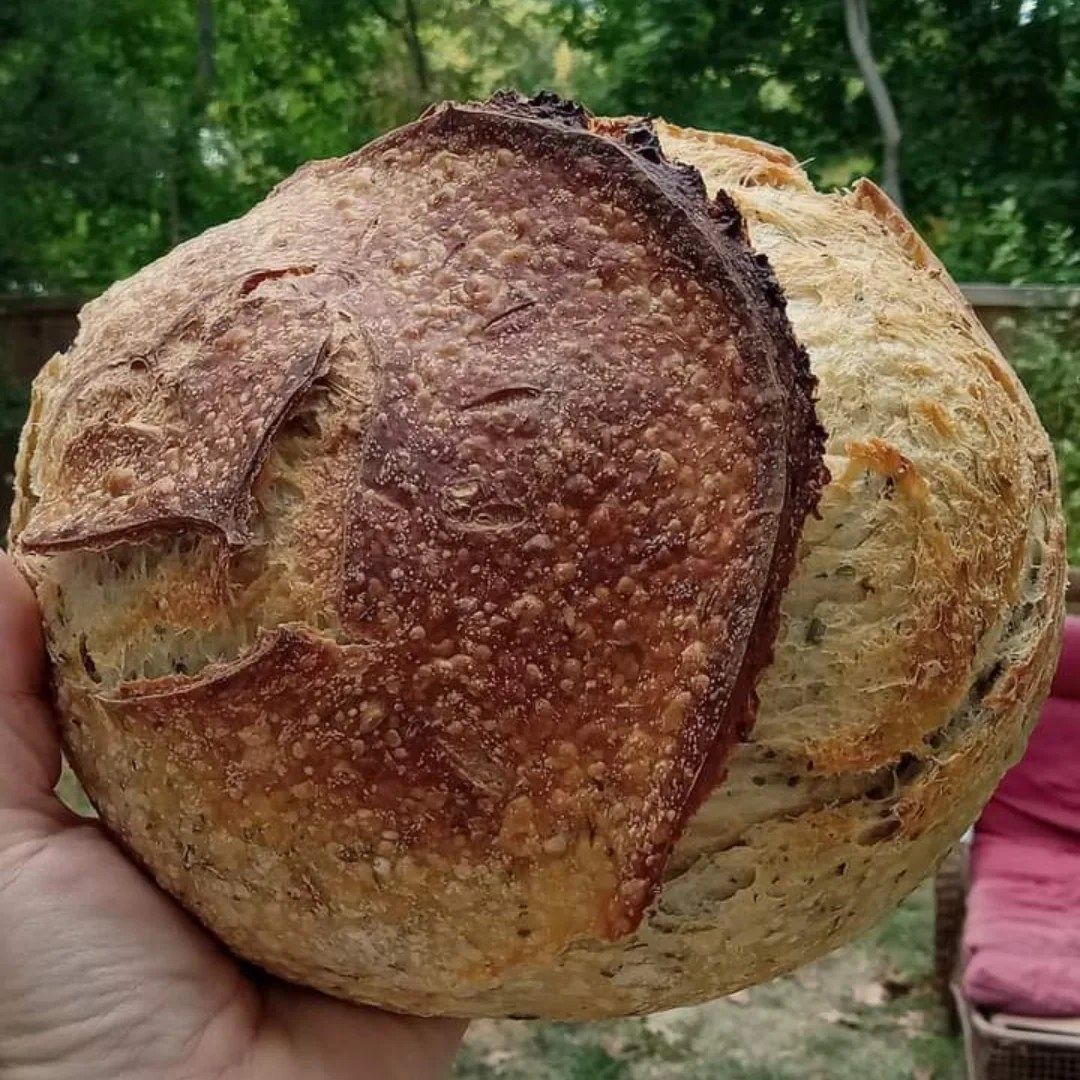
x: 1005, y: 245
x: 130, y: 125
x: 1047, y: 359
x: 987, y: 92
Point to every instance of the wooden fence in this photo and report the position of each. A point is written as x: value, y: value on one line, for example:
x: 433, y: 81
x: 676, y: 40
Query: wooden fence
x: 31, y: 330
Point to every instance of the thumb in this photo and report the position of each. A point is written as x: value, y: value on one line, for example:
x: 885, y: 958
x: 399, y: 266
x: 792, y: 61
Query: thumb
x: 29, y: 742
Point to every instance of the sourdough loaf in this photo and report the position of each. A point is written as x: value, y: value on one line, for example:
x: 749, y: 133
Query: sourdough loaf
x: 457, y: 602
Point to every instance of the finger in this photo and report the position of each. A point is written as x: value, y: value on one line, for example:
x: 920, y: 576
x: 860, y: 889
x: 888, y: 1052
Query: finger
x: 29, y: 743
x: 22, y: 651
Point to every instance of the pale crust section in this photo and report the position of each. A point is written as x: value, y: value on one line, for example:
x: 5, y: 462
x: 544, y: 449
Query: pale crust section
x: 941, y: 475
x: 745, y: 162
x: 918, y: 636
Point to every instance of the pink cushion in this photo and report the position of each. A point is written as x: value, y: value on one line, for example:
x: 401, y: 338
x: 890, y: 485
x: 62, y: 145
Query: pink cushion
x: 1022, y: 935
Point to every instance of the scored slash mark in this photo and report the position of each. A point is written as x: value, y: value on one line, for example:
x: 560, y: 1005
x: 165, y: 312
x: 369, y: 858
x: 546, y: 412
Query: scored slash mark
x: 524, y: 305
x: 503, y: 395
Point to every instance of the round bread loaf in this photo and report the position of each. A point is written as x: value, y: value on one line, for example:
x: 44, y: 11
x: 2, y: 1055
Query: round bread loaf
x: 417, y: 555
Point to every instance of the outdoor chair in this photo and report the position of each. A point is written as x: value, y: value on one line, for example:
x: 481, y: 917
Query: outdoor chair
x: 1007, y: 900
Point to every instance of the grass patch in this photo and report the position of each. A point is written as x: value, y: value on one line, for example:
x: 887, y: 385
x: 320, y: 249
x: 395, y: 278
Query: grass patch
x: 868, y: 1010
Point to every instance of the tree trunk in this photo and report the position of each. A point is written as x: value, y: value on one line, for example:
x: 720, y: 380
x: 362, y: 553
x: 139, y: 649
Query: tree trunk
x: 207, y: 46
x: 410, y: 28
x: 858, y: 32
x: 409, y: 25
x: 187, y: 147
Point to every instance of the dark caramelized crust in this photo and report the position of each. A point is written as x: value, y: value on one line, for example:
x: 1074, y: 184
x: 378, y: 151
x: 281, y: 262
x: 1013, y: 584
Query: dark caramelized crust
x: 806, y: 472
x: 573, y: 498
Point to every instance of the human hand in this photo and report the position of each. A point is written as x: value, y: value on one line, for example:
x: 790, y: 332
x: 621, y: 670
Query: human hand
x: 104, y: 977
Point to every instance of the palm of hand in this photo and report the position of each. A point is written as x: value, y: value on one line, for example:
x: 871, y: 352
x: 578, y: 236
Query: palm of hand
x: 104, y: 977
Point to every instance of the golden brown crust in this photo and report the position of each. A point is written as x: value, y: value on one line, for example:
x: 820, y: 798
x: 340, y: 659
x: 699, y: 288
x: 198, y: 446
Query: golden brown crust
x: 573, y: 500
x: 866, y: 195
